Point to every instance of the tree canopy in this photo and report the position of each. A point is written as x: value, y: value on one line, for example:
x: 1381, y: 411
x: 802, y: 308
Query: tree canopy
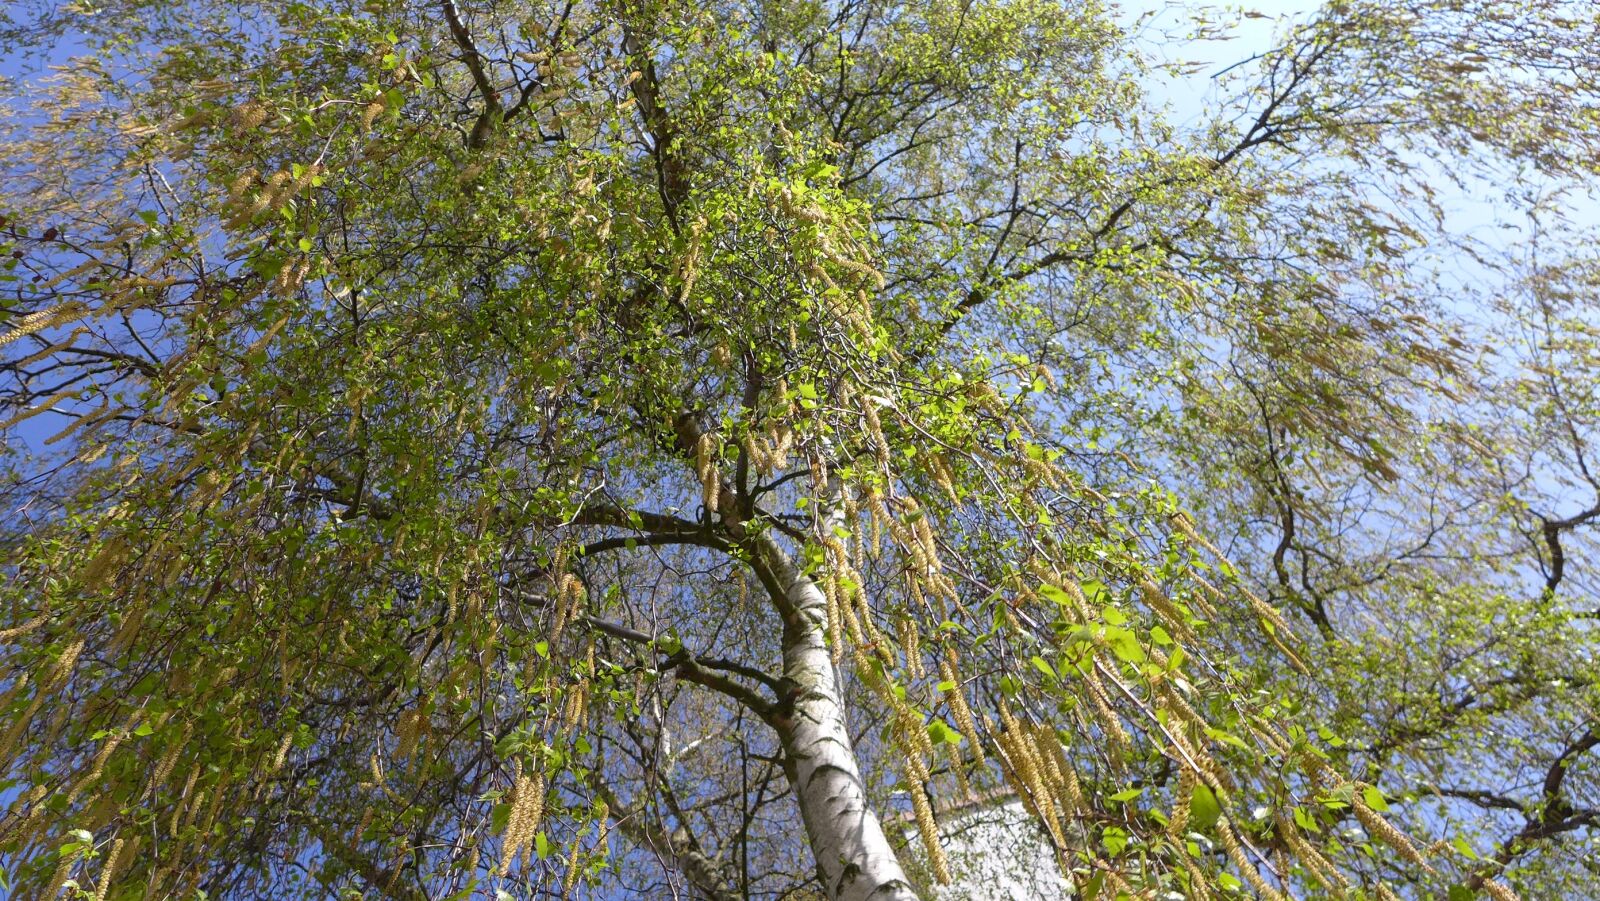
x: 656, y: 449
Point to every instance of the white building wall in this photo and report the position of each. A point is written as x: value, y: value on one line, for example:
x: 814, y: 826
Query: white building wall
x: 997, y: 852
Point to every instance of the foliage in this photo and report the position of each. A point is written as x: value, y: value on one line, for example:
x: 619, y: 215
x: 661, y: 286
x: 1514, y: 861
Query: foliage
x: 514, y: 447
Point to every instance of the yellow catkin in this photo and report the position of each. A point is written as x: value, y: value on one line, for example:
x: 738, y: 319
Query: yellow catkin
x: 852, y: 519
x: 907, y: 628
x: 842, y: 584
x: 1197, y: 881
x: 782, y: 445
x: 1178, y: 821
x: 409, y: 727
x: 58, y: 725
x: 77, y: 423
x: 1198, y: 600
x: 880, y: 520
x: 602, y: 816
x: 43, y: 407
x: 1011, y: 772
x: 212, y: 810
x: 1311, y: 860
x: 527, y: 808
x: 577, y: 704
x: 1110, y: 723
x: 281, y: 755
x: 1499, y: 891
x: 186, y: 801
x: 916, y: 774
x: 1064, y: 782
x: 705, y: 463
x: 109, y: 870
x: 242, y: 183
x: 98, y: 764
x: 1174, y: 702
x: 958, y: 704
x: 869, y: 412
x: 1271, y: 740
x: 1230, y: 843
x: 169, y: 760
x: 20, y: 685
x: 58, y: 879
x: 1023, y: 757
x: 49, y: 317
x: 568, y: 597
x: 942, y: 476
x: 830, y: 591
x: 569, y: 880
x: 1211, y: 772
x: 1169, y: 615
x: 1384, y: 831
x: 1186, y: 527
x: 51, y: 350
x: 853, y: 620
x: 926, y: 543
x: 958, y: 768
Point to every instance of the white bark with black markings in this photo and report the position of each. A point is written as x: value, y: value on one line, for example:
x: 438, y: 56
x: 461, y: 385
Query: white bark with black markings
x: 854, y: 858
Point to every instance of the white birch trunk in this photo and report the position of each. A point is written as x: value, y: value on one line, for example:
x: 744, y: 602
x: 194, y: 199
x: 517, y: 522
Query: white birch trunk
x: 853, y: 856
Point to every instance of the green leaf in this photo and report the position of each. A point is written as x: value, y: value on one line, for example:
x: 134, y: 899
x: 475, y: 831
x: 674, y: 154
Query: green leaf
x: 1055, y: 594
x: 1374, y: 798
x: 1114, y: 840
x: 940, y: 733
x: 1125, y: 645
x: 1043, y: 666
x: 1204, y: 811
x: 1305, y: 820
x: 1228, y: 738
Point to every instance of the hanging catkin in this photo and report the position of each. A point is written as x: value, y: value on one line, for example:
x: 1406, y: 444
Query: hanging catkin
x: 1178, y: 820
x: 527, y: 808
x: 915, y: 771
x: 705, y: 464
x: 1230, y: 843
x: 909, y: 647
x: 113, y: 857
x: 958, y: 704
x: 1311, y: 860
x: 1384, y: 831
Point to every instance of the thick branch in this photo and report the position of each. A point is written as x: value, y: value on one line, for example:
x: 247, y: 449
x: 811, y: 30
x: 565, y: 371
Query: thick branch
x: 484, y: 126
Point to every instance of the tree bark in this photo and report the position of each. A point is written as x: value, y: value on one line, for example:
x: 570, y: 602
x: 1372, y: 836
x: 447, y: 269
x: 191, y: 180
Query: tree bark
x: 854, y: 859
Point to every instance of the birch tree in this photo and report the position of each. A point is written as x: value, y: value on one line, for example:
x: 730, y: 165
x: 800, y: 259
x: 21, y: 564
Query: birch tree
x: 475, y: 449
